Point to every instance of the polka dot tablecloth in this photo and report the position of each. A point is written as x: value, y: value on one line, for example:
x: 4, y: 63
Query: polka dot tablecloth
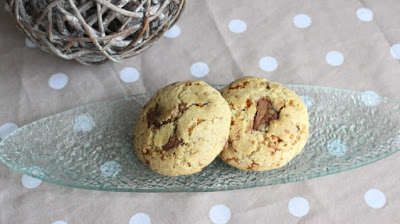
x: 337, y: 43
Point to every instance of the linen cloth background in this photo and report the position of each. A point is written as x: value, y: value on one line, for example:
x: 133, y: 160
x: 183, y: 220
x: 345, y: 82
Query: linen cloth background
x: 205, y: 36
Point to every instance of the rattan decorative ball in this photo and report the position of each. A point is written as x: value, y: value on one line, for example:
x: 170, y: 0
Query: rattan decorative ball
x: 94, y: 31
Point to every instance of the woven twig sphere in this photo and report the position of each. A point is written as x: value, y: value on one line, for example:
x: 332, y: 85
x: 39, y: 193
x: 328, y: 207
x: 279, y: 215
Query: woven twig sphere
x: 94, y: 31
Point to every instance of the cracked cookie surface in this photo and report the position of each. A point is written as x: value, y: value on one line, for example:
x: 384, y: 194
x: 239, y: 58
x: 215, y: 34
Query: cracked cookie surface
x: 269, y: 124
x: 182, y: 128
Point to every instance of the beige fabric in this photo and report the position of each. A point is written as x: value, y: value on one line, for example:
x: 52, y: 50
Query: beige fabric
x: 25, y: 96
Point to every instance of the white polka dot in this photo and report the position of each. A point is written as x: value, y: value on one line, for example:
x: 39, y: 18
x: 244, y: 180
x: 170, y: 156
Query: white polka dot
x: 268, y: 64
x: 237, y: 26
x: 173, y: 32
x: 199, y: 69
x: 337, y: 148
x: 370, y: 98
x: 6, y: 7
x: 59, y: 222
x: 365, y: 15
x: 308, y: 101
x: 83, y: 123
x: 140, y: 218
x: 220, y: 214
x: 7, y: 129
x: 58, y: 81
x: 375, y: 198
x: 110, y: 169
x: 302, y: 21
x: 299, y: 206
x: 395, y: 51
x: 30, y: 182
x: 334, y: 58
x: 29, y: 43
x: 129, y: 75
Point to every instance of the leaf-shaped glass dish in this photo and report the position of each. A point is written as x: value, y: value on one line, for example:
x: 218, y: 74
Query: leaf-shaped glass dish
x: 91, y: 147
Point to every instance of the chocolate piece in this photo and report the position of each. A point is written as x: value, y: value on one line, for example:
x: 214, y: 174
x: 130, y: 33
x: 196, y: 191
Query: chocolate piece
x: 154, y: 113
x: 152, y: 116
x: 265, y: 113
x: 248, y: 103
x: 172, y: 143
x: 182, y: 107
x: 252, y: 166
x: 199, y: 121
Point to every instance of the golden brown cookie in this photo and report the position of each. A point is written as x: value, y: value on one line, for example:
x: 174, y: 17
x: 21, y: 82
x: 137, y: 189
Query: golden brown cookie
x: 269, y: 124
x: 182, y: 128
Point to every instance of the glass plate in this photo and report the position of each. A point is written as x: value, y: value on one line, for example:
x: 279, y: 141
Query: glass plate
x: 91, y: 147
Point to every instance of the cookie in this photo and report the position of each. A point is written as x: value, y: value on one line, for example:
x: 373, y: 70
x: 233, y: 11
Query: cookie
x: 269, y: 125
x: 182, y: 128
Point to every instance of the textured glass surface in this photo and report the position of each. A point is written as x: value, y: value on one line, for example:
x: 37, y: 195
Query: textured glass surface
x: 90, y: 147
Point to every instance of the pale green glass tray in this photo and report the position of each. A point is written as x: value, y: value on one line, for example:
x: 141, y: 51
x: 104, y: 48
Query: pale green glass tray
x: 91, y: 147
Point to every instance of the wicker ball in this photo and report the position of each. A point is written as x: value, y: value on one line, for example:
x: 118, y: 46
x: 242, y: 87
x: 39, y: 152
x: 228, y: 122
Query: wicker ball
x: 94, y: 31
